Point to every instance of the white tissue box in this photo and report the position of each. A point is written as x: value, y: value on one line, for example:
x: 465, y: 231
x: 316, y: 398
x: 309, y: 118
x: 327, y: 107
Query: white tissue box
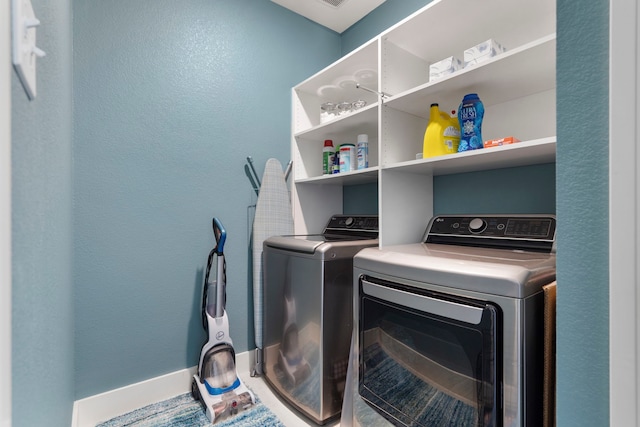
x: 442, y: 68
x: 481, y: 52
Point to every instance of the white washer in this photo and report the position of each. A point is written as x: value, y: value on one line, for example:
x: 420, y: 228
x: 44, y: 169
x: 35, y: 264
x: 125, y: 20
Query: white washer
x: 307, y: 324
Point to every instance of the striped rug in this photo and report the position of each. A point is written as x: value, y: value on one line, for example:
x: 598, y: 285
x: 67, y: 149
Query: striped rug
x: 185, y: 411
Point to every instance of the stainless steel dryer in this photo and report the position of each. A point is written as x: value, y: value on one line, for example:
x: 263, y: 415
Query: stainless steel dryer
x: 308, y: 294
x: 451, y: 331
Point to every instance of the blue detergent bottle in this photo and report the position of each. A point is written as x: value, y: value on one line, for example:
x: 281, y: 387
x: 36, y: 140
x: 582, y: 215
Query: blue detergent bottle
x: 470, y: 116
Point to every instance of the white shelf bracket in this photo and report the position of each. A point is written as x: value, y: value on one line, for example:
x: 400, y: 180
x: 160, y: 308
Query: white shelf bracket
x: 25, y: 51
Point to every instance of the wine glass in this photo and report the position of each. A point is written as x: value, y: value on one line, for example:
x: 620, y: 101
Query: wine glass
x: 328, y: 111
x: 344, y: 107
x: 359, y: 104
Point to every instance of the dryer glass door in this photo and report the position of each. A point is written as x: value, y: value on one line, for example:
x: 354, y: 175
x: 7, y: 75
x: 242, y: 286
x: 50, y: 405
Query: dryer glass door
x: 427, y: 358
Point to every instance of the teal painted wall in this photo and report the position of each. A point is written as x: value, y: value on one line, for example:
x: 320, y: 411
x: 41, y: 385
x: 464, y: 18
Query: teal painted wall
x: 42, y: 300
x: 582, y: 208
x: 170, y: 98
x: 529, y: 189
x: 360, y: 199
x: 151, y: 130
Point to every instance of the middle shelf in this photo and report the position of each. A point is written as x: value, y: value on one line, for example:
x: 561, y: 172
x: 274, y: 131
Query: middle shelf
x: 524, y: 153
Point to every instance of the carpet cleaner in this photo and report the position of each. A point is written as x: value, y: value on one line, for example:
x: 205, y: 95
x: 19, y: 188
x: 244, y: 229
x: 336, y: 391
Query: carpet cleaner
x: 216, y: 384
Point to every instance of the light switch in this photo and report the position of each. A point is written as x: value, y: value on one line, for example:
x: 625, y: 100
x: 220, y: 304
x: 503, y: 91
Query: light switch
x: 25, y: 51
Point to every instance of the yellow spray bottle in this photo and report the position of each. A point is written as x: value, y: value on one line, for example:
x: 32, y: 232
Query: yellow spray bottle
x: 442, y: 135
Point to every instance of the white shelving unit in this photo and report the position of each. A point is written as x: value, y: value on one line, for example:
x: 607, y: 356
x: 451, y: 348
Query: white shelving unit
x: 517, y: 88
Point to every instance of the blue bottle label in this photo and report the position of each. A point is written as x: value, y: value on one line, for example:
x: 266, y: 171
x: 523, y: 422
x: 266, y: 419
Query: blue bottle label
x: 470, y: 116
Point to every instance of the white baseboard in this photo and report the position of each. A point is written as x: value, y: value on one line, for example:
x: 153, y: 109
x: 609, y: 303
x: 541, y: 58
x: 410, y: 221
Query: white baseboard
x: 89, y: 411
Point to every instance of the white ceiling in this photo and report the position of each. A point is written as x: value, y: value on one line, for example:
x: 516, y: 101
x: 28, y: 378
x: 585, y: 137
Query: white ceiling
x: 337, y: 15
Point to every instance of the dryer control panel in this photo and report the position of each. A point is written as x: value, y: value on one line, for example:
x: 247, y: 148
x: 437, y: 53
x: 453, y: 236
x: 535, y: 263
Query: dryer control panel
x: 352, y: 223
x: 527, y: 232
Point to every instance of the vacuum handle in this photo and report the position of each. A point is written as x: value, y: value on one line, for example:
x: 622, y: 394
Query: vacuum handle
x: 220, y: 234
x: 221, y: 268
x: 205, y: 289
x: 221, y: 285
x: 219, y: 282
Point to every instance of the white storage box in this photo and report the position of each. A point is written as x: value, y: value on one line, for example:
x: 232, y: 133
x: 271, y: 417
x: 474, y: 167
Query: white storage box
x: 481, y: 52
x: 444, y: 67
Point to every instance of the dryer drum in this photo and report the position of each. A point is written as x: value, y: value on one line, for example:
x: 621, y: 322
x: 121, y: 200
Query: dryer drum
x: 422, y: 368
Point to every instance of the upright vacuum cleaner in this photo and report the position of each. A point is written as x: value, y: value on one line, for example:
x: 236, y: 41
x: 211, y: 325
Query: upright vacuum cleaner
x: 216, y: 384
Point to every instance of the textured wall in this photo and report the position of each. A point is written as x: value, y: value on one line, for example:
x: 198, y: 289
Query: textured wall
x: 529, y: 189
x: 146, y: 184
x: 170, y: 98
x: 42, y: 302
x: 582, y: 207
x: 5, y: 216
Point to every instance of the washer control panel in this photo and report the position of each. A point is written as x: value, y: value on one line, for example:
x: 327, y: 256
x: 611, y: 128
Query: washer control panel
x: 353, y: 222
x: 478, y: 229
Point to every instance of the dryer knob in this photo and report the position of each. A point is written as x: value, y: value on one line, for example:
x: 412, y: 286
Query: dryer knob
x: 348, y: 222
x: 477, y: 225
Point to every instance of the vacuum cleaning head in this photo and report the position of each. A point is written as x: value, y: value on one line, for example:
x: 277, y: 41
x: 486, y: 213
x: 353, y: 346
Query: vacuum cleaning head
x: 218, y: 387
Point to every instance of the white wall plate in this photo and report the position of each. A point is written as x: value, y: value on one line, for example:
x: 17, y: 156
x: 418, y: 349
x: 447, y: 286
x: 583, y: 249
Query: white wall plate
x: 25, y: 51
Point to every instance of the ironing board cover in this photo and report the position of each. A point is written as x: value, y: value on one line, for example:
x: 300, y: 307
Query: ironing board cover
x: 273, y: 217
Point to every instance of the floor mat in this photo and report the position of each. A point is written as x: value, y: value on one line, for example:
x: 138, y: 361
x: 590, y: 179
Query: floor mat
x: 185, y: 411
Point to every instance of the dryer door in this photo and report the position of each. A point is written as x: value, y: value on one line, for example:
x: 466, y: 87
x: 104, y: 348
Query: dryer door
x: 427, y: 358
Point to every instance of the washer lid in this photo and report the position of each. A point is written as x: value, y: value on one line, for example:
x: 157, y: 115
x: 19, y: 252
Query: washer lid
x: 511, y: 273
x: 340, y: 246
x: 301, y: 243
x: 342, y: 231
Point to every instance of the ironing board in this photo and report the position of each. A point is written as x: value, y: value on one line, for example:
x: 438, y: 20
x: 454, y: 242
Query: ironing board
x: 273, y: 217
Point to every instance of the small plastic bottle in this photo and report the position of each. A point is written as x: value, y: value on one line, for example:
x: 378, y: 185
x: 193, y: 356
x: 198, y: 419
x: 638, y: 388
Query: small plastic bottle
x: 328, y: 153
x: 347, y: 158
x: 362, y: 151
x: 336, y: 161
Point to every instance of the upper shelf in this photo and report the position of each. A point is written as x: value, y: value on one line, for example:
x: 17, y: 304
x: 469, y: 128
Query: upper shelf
x: 338, y: 80
x: 337, y: 83
x: 497, y: 80
x: 448, y: 27
x: 361, y: 121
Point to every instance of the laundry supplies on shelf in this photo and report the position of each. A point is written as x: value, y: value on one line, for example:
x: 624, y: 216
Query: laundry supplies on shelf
x: 442, y: 135
x: 470, y: 115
